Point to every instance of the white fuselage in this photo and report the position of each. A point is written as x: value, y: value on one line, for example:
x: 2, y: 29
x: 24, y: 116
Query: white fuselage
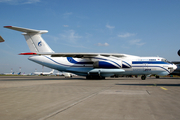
x: 84, y: 67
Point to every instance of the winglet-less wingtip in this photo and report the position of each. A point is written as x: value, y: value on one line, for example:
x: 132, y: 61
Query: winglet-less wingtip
x: 29, y: 53
x: 7, y: 26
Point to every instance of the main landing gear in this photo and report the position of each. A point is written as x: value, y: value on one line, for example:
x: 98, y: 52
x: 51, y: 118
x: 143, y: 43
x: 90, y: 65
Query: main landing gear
x: 143, y: 77
x: 95, y: 77
x: 157, y: 76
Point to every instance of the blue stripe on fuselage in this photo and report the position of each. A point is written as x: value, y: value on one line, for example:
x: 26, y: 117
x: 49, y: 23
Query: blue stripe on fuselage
x: 149, y: 62
x: 153, y: 66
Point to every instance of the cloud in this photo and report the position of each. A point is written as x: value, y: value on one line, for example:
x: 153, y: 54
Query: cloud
x: 101, y: 44
x: 109, y: 27
x: 18, y: 2
x: 76, y: 46
x: 66, y: 25
x: 136, y: 42
x: 70, y: 36
x: 67, y: 14
x: 126, y: 35
x: 30, y: 1
x: 5, y: 0
x: 50, y: 37
x: 67, y: 36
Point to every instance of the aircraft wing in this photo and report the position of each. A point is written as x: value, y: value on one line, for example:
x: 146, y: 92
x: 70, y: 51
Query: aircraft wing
x: 175, y: 62
x: 1, y: 39
x: 81, y: 55
x: 77, y: 55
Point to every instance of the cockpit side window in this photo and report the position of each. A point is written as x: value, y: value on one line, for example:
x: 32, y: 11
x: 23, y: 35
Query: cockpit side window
x: 165, y: 60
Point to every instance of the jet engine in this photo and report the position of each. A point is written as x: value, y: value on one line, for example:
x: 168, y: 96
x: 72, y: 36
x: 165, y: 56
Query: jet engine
x: 178, y: 52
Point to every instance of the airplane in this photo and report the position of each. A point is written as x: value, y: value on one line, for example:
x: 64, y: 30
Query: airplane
x: 43, y: 73
x: 91, y: 65
x: 59, y: 74
x: 13, y: 73
x: 1, y: 39
x: 68, y: 75
x: 65, y: 74
x: 8, y: 73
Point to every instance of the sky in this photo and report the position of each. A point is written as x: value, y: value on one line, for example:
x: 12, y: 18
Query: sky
x: 135, y: 27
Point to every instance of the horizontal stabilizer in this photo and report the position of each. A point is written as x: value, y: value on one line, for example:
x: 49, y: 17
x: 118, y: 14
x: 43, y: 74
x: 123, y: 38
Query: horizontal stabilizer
x: 26, y: 30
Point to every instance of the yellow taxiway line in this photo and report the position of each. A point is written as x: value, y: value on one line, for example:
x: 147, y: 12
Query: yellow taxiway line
x: 163, y: 88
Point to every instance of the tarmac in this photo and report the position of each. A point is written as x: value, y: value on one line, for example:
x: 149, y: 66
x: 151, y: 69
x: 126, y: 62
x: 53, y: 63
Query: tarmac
x: 59, y: 98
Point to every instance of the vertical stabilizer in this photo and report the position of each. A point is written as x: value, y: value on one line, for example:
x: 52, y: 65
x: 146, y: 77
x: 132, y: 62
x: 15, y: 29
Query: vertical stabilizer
x: 52, y: 71
x: 33, y: 38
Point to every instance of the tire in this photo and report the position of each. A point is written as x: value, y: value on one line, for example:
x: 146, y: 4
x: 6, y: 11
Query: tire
x: 143, y: 77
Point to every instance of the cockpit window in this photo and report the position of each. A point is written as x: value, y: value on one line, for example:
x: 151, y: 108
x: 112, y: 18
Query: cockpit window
x: 165, y: 60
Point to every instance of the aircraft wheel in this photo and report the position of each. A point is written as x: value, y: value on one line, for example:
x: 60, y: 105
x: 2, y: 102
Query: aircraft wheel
x: 143, y: 77
x: 88, y: 77
x: 157, y: 76
x: 102, y: 78
x: 95, y: 77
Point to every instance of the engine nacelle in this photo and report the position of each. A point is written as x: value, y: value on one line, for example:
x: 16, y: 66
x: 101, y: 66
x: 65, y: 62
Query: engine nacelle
x: 178, y: 52
x: 108, y: 64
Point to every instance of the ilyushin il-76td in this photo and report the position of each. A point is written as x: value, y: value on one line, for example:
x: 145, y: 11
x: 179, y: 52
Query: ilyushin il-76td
x: 92, y: 65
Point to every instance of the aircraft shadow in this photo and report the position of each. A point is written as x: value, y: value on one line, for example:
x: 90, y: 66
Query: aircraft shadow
x: 151, y: 84
x: 39, y: 79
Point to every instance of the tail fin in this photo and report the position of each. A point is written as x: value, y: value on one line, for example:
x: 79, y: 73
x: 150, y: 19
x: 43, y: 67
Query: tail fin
x: 52, y: 71
x: 33, y: 38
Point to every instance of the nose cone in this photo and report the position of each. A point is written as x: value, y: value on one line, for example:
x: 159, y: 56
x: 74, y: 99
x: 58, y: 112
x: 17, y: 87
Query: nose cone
x: 174, y: 67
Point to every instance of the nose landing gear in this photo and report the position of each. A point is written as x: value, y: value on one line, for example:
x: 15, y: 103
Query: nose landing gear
x: 143, y: 77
